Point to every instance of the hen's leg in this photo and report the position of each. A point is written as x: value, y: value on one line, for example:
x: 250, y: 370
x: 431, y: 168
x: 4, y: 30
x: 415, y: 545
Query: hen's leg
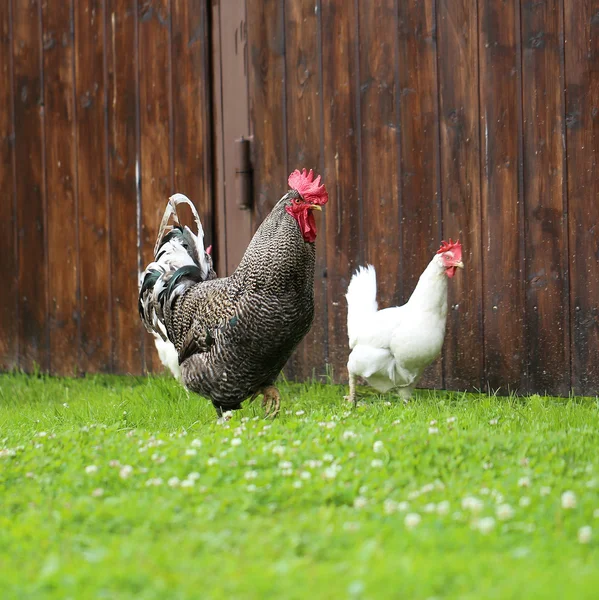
x: 352, y: 389
x: 271, y: 401
x: 405, y: 394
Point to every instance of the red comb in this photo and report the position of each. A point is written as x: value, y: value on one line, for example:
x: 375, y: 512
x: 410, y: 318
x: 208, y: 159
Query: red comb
x: 451, y: 245
x: 309, y: 188
x: 209, y: 250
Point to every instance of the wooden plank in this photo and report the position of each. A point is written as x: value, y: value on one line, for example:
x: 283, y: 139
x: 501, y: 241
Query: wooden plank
x: 500, y: 98
x: 547, y: 319
x: 304, y: 123
x: 220, y: 217
x: 340, y: 92
x: 61, y: 188
x: 460, y: 184
x: 235, y: 122
x: 266, y: 40
x: 156, y: 173
x: 420, y: 186
x: 123, y: 105
x: 9, y: 301
x: 31, y: 205
x: 192, y: 107
x: 380, y: 145
x: 94, y: 239
x: 582, y: 136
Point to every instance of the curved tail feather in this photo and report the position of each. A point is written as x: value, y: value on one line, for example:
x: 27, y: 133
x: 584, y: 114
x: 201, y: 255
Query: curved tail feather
x: 361, y: 300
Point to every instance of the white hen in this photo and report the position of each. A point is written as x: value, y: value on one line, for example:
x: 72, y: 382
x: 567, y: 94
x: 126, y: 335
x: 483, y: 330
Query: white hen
x: 390, y: 348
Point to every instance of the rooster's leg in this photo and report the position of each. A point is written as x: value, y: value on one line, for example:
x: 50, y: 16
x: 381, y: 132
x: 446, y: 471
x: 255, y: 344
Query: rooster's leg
x: 271, y: 401
x: 352, y: 389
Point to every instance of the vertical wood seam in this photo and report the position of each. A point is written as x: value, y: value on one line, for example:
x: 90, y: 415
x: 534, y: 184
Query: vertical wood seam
x: 400, y: 195
x: 284, y: 87
x: 484, y: 378
x: 521, y: 195
x: 209, y: 147
x: 76, y: 190
x: 171, y: 109
x: 325, y: 279
x: 568, y: 323
x: 107, y: 186
x: 225, y: 262
x: 44, y: 191
x: 11, y: 67
x: 361, y: 256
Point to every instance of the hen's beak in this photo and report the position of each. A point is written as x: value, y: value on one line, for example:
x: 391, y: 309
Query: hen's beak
x: 315, y: 207
x: 459, y: 265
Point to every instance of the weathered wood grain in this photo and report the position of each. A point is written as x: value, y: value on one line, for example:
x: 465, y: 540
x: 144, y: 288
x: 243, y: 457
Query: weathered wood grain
x: 123, y: 154
x: 304, y: 126
x: 420, y: 186
x: 9, y: 297
x: 341, y: 166
x: 502, y: 240
x: 546, y: 236
x: 30, y: 184
x: 155, y: 167
x: 460, y: 187
x: 582, y: 136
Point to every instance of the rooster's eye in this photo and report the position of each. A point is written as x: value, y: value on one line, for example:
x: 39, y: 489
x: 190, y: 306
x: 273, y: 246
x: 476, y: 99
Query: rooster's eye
x: 296, y: 200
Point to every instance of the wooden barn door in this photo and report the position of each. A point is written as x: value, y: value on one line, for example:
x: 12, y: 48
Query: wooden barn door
x: 231, y: 133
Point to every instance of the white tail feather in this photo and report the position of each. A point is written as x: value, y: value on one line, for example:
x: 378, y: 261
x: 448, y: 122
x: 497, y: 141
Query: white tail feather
x: 361, y: 300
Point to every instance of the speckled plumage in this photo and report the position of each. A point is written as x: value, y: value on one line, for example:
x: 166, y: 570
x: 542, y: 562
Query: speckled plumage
x: 235, y: 334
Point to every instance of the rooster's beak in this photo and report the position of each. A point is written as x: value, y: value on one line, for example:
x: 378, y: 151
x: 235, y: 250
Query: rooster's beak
x: 459, y: 265
x: 315, y: 207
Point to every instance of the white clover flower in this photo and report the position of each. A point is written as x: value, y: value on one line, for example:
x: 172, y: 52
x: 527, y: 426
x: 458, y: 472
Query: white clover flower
x: 524, y: 482
x: 414, y: 494
x: 433, y: 430
x: 568, y: 500
x: 286, y: 472
x: 313, y: 464
x: 360, y: 502
x: 196, y: 443
x: 235, y: 442
x: 348, y: 435
x: 156, y: 481
x: 433, y: 422
x: 297, y: 484
x: 524, y: 501
x: 328, y: 458
x: 331, y: 425
x: 187, y: 483
x: 376, y: 463
x: 596, y: 513
x: 251, y: 488
x: 451, y: 420
x: 504, y: 512
x: 65, y: 404
x: 305, y: 475
x: 193, y: 476
x: 330, y: 472
x: 299, y: 413
x: 427, y: 488
x: 396, y: 422
x: 212, y: 461
x: 98, y: 492
x: 91, y: 469
x: 285, y: 464
x: 251, y: 475
x: 125, y: 471
x: 487, y: 466
x: 585, y: 534
x: 403, y: 506
x: 191, y: 452
x: 486, y: 525
x: 30, y: 475
x: 378, y: 446
x: 412, y: 520
x: 443, y: 508
x: 591, y: 483
x: 158, y: 458
x: 227, y: 416
x: 174, y: 482
x: 42, y: 434
x: 390, y: 506
x: 545, y: 490
x: 114, y: 463
x: 493, y: 421
x: 278, y: 450
x: 474, y: 505
x: 431, y: 507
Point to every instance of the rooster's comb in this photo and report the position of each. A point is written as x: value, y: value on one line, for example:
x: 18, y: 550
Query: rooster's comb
x: 310, y: 189
x: 451, y: 245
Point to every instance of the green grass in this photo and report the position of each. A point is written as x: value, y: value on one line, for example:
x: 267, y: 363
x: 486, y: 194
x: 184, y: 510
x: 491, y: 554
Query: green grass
x: 246, y: 529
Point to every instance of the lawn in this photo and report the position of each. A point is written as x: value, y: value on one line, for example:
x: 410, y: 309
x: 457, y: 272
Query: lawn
x: 129, y: 488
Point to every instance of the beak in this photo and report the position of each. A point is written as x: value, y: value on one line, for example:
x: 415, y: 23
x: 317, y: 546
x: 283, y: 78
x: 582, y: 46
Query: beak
x: 459, y: 265
x: 315, y: 207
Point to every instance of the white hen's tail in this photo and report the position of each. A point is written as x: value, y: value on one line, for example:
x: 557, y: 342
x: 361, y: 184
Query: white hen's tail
x: 361, y: 299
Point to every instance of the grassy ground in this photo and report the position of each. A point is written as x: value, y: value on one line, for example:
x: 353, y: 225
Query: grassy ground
x: 128, y: 488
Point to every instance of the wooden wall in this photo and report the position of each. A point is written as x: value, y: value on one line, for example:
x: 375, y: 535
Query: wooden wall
x: 429, y: 119
x: 104, y: 111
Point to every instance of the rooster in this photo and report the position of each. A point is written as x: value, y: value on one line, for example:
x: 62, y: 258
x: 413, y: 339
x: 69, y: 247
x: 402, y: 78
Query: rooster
x: 233, y: 335
x: 390, y: 348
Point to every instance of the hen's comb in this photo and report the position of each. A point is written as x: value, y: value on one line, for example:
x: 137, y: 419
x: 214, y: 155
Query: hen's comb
x: 310, y: 189
x: 451, y: 245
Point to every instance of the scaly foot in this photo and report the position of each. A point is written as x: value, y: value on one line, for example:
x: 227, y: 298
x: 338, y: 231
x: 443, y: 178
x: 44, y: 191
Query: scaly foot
x: 271, y: 401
